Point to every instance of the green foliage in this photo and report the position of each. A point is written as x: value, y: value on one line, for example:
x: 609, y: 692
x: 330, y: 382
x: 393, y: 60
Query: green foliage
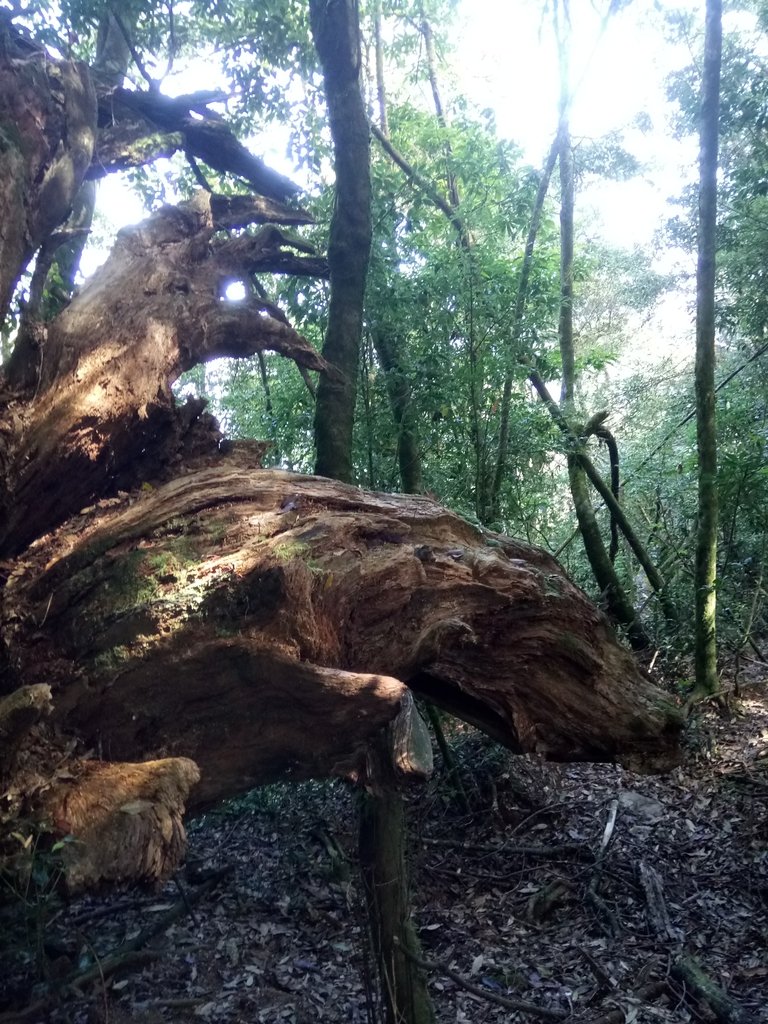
x: 742, y: 313
x: 30, y: 891
x: 270, y: 801
x: 606, y: 157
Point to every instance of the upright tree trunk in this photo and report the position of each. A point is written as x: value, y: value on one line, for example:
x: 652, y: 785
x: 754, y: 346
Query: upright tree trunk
x: 336, y: 31
x: 388, y: 346
x: 388, y: 343
x: 616, y: 600
x: 706, y: 537
x: 383, y: 862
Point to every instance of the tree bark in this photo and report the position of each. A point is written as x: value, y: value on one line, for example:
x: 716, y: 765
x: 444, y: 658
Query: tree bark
x: 336, y: 32
x: 616, y: 601
x: 401, y: 400
x: 48, y: 114
x: 705, y: 573
x: 383, y: 836
x: 618, y: 604
x: 382, y: 824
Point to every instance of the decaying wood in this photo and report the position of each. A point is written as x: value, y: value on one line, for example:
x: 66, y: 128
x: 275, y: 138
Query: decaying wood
x: 48, y: 119
x: 283, y: 594
x: 267, y: 625
x: 103, y: 415
x: 656, y: 905
x: 127, y: 819
x: 725, y: 1009
x: 19, y: 712
x: 411, y: 746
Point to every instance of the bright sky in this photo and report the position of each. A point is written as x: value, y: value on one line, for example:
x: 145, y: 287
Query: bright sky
x: 509, y: 55
x: 508, y: 61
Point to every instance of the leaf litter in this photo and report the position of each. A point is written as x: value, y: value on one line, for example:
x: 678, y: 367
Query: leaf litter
x: 578, y: 888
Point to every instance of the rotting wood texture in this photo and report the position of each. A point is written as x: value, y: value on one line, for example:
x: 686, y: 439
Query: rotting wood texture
x: 266, y: 625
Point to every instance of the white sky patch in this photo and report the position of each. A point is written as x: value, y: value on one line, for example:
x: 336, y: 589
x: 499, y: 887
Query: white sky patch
x: 117, y: 205
x: 235, y: 291
x: 508, y: 61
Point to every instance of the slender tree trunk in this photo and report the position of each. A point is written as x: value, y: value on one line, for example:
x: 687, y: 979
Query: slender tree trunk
x: 382, y: 836
x: 617, y: 602
x: 388, y: 344
x: 399, y: 390
x: 602, y: 488
x: 706, y: 538
x: 517, y: 326
x: 336, y: 31
x: 565, y: 328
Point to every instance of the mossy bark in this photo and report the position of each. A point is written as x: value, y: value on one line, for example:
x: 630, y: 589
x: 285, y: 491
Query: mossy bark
x: 336, y: 32
x: 618, y: 604
x: 401, y: 401
x: 705, y: 574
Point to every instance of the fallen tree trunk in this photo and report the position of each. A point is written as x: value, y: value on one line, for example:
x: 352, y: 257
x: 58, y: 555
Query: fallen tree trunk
x: 266, y: 625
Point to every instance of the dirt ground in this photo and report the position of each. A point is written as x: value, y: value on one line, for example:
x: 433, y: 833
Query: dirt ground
x: 593, y: 893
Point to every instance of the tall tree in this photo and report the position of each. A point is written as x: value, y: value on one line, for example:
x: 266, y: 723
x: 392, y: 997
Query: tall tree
x: 706, y: 537
x: 387, y: 339
x: 336, y: 31
x: 617, y: 602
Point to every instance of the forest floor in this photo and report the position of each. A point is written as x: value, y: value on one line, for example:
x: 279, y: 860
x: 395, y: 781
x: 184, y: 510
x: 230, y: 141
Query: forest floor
x: 584, y: 889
